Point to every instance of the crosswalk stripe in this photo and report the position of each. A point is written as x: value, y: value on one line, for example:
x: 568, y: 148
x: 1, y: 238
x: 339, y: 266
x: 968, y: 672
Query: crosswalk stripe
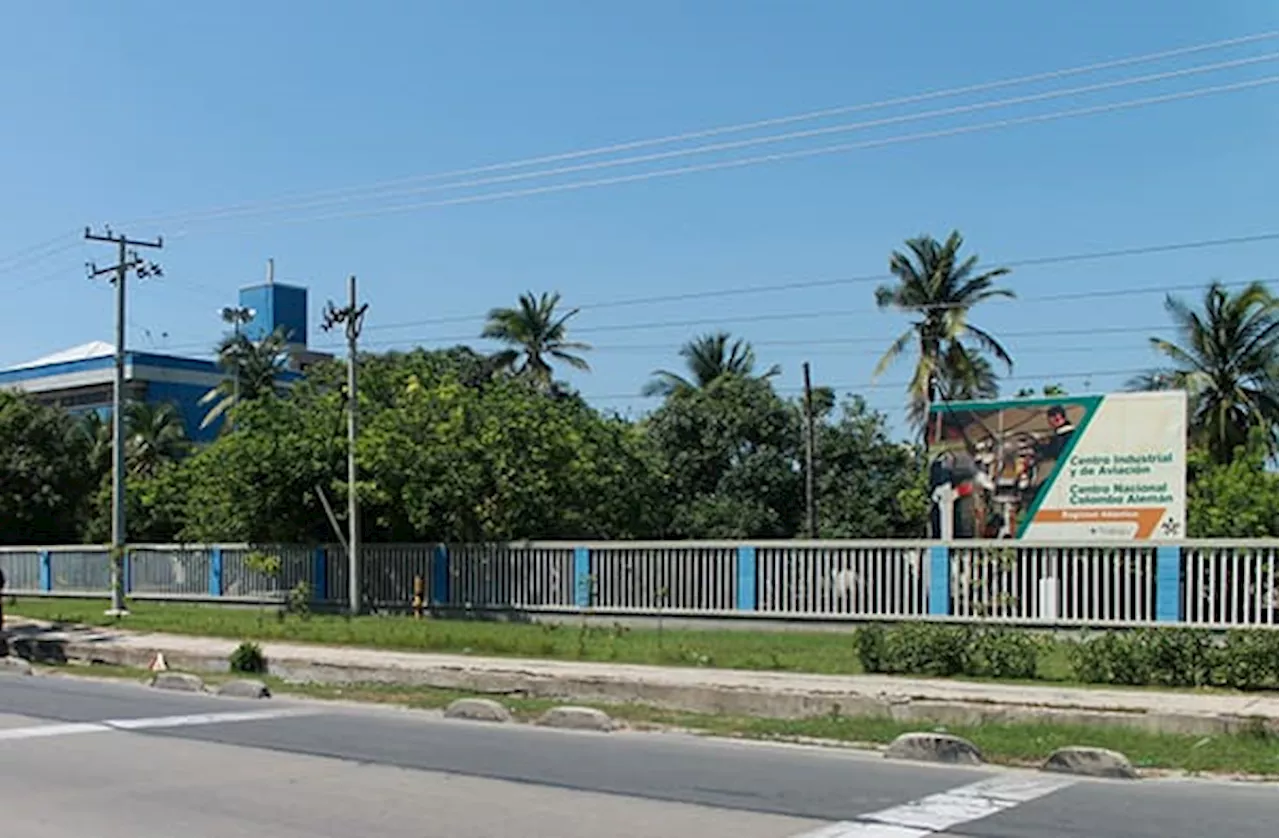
x: 938, y: 812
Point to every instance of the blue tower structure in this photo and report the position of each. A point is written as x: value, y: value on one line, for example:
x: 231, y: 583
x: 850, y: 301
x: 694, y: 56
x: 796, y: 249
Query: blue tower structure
x: 79, y: 379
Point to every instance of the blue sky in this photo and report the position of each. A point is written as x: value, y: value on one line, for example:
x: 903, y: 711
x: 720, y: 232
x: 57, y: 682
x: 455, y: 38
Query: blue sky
x: 146, y: 109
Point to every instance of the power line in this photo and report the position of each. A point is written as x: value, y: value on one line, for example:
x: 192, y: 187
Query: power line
x: 888, y: 385
x: 806, y: 315
x: 741, y: 162
x: 454, y: 340
x: 35, y: 255
x: 727, y: 129
x: 316, y: 203
x: 854, y: 280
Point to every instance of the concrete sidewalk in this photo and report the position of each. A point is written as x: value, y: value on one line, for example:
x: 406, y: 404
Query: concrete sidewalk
x: 734, y: 692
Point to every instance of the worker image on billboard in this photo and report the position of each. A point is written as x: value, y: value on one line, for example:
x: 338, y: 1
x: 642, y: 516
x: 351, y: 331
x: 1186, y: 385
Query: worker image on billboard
x: 1091, y: 467
x: 994, y: 461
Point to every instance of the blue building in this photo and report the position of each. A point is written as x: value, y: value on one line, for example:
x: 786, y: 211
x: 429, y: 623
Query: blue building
x: 81, y: 378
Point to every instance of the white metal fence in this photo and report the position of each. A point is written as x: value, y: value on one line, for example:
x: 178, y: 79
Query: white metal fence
x: 1202, y: 583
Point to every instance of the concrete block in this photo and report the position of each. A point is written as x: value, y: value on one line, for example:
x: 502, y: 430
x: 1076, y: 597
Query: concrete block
x: 477, y: 710
x: 14, y: 665
x: 577, y: 718
x: 244, y: 688
x: 179, y: 681
x: 934, y: 747
x: 1090, y: 762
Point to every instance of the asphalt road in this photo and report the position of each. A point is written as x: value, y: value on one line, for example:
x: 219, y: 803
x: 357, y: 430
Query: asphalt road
x: 80, y: 758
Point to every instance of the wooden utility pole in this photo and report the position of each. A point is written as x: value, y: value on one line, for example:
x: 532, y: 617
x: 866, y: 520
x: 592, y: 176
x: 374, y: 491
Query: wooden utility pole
x: 126, y: 260
x: 351, y: 316
x: 810, y: 501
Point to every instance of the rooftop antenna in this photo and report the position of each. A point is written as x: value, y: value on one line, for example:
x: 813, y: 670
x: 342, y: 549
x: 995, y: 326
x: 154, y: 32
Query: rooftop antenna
x: 271, y: 271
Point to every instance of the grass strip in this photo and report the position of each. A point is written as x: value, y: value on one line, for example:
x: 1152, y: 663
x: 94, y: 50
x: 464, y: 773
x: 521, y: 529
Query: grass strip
x: 1252, y: 753
x: 817, y: 652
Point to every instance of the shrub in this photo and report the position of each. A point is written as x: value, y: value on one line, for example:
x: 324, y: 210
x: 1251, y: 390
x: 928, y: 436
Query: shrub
x: 1113, y: 657
x: 1177, y: 657
x: 869, y: 644
x: 915, y: 649
x: 248, y: 657
x: 1244, y: 659
x: 1000, y: 652
x: 1247, y: 660
x: 926, y: 649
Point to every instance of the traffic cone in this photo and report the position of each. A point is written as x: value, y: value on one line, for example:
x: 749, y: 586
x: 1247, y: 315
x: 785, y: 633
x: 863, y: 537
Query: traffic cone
x: 157, y: 663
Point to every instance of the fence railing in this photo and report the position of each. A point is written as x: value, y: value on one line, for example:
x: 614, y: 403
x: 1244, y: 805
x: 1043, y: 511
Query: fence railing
x: 1202, y: 583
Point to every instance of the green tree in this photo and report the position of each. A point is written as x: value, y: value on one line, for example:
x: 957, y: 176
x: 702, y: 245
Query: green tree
x: 1225, y: 359
x: 867, y: 484
x: 731, y: 453
x: 707, y: 358
x: 251, y: 369
x: 448, y: 462
x: 536, y: 334
x: 155, y: 435
x: 933, y: 284
x: 1236, y: 499
x: 256, y: 482
x: 965, y: 376
x: 95, y: 432
x: 45, y: 480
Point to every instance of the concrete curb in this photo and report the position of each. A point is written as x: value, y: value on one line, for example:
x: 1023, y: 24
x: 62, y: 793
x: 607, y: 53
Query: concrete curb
x: 765, y: 695
x: 1090, y: 762
x: 244, y: 688
x: 934, y: 747
x: 178, y: 681
x: 14, y: 665
x: 477, y: 710
x: 577, y: 718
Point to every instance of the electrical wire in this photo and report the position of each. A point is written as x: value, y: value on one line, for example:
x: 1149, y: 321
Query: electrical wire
x: 742, y: 162
x: 890, y: 385
x: 316, y: 203
x: 723, y: 130
x: 684, y: 296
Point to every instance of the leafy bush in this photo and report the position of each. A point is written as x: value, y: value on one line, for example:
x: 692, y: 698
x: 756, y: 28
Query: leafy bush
x: 945, y: 650
x: 299, y: 600
x: 1177, y: 657
x: 265, y: 563
x: 248, y: 657
x: 927, y: 649
x: 1247, y: 660
x: 868, y: 643
x: 1000, y: 652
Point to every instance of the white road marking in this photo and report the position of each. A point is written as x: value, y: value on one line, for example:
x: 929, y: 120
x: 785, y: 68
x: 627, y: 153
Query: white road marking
x: 107, y: 725
x: 938, y: 812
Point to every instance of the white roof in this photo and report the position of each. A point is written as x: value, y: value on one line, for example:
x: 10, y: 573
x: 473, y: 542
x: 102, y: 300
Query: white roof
x: 83, y: 352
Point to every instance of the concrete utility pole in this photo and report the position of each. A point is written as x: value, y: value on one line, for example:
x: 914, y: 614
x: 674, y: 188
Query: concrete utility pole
x: 126, y: 260
x: 810, y: 501
x: 351, y: 316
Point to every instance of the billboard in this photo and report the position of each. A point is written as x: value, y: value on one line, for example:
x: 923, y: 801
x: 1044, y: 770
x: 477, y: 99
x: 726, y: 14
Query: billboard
x: 1067, y: 468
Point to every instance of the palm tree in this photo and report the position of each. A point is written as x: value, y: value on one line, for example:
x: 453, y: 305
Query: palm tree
x: 707, y: 358
x: 965, y: 376
x: 536, y: 332
x: 1225, y: 359
x: 155, y: 435
x: 250, y: 369
x: 96, y: 433
x: 940, y: 289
